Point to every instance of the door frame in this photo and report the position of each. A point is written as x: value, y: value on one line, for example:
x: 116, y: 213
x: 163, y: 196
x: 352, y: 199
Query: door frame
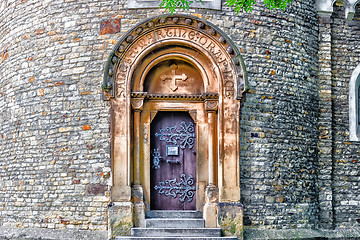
x: 197, y: 112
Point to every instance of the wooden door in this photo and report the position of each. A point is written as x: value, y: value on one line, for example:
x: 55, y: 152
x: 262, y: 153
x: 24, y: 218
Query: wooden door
x: 173, y: 162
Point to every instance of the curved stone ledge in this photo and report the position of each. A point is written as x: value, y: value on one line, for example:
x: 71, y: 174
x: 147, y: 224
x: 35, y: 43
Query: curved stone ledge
x: 301, y: 233
x: 50, y: 234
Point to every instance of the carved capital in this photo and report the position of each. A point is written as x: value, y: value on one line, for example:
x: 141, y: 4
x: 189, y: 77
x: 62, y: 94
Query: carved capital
x: 137, y: 104
x: 137, y: 101
x: 211, y: 104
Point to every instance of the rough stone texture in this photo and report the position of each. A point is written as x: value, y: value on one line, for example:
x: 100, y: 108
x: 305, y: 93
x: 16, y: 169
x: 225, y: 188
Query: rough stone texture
x: 55, y: 167
x: 49, y: 234
x: 346, y: 154
x: 230, y: 219
x: 279, y: 116
x: 54, y: 129
x: 121, y: 220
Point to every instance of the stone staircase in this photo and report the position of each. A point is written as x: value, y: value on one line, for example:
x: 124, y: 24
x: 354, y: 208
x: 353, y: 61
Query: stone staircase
x: 175, y: 225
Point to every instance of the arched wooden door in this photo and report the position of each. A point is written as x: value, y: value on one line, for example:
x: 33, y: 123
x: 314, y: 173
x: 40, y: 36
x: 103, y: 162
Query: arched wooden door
x: 173, y: 162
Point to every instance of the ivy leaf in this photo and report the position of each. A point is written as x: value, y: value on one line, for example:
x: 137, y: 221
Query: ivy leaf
x: 246, y: 5
x: 239, y: 5
x: 277, y: 4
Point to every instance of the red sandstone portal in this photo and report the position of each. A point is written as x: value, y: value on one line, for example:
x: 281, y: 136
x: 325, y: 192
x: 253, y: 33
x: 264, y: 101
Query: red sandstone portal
x: 184, y: 69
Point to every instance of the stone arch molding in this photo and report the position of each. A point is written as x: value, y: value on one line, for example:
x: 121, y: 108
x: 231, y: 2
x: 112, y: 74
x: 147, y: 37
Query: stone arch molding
x: 192, y: 31
x: 211, y: 97
x: 354, y: 111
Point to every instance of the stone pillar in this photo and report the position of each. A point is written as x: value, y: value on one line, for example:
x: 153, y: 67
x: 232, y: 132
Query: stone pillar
x: 212, y: 191
x: 120, y: 207
x: 137, y: 102
x: 326, y: 215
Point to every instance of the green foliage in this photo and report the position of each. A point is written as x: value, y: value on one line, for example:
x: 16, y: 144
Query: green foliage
x: 246, y: 5
x: 239, y: 5
x: 280, y: 4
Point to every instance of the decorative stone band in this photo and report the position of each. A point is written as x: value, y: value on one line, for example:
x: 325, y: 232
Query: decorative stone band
x: 198, y: 97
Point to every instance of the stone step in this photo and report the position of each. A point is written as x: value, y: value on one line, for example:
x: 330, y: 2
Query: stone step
x: 174, y: 223
x: 173, y: 214
x: 176, y: 238
x: 176, y: 232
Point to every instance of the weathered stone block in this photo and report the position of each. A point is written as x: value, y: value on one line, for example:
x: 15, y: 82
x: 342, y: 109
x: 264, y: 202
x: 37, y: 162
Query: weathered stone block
x: 230, y: 219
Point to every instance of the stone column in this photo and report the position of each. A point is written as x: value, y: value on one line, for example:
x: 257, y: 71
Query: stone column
x: 212, y: 191
x: 325, y: 124
x: 137, y: 102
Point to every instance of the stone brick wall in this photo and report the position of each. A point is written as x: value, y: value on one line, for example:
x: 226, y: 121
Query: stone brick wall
x: 279, y: 116
x: 54, y: 128
x: 346, y: 154
x: 55, y: 168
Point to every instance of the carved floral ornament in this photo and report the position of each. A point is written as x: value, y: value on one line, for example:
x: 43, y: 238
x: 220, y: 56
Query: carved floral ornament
x: 183, y: 28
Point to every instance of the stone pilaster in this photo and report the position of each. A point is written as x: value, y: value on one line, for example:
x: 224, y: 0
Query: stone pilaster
x: 325, y: 125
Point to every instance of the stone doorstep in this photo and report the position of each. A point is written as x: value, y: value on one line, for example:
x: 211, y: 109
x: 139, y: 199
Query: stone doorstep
x: 174, y: 223
x: 174, y: 214
x: 176, y: 232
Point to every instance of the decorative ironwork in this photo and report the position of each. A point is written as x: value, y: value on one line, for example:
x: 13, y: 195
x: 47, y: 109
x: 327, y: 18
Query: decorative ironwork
x: 156, y: 159
x: 172, y: 161
x: 185, y: 135
x: 184, y: 188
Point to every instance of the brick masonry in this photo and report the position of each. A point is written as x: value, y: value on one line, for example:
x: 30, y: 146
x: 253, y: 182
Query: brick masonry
x: 55, y: 168
x: 346, y: 154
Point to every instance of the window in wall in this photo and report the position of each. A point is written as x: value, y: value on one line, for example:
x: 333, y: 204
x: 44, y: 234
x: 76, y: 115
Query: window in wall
x: 358, y: 109
x: 354, y: 105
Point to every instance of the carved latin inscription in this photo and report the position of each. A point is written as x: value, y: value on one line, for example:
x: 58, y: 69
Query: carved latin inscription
x: 176, y: 33
x: 185, y: 34
x: 121, y: 80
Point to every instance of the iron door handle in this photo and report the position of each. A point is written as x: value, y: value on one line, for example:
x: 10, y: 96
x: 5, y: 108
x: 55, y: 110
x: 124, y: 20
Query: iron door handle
x: 172, y: 161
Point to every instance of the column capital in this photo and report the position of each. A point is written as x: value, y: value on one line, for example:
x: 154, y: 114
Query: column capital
x: 211, y: 105
x: 137, y: 100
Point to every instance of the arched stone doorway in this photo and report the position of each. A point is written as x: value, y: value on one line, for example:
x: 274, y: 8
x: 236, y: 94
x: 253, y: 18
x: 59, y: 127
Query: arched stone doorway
x: 184, y: 67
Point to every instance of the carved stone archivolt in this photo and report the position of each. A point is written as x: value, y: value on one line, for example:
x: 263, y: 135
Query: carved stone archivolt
x: 174, y: 27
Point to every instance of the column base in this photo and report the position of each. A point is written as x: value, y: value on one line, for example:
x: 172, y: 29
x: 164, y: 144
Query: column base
x: 210, y: 207
x: 137, y: 194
